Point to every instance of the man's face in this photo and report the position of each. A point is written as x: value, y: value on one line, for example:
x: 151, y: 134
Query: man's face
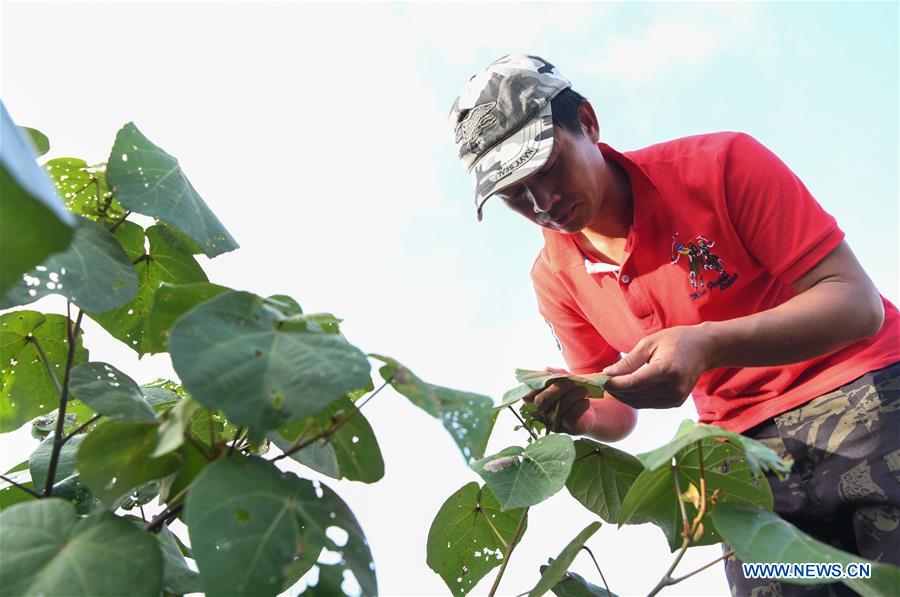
x: 566, y: 193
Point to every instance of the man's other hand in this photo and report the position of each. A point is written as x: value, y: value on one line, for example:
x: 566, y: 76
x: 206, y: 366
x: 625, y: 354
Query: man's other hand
x: 574, y: 413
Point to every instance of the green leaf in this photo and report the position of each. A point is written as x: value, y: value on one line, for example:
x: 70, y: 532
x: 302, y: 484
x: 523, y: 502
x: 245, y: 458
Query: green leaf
x: 525, y: 477
x: 9, y: 493
x: 38, y: 139
x: 26, y: 388
x: 462, y: 543
x: 759, y: 457
x: 466, y: 416
x: 538, y: 380
x: 109, y: 392
x: 757, y: 535
x: 193, y: 464
x: 33, y: 222
x: 235, y: 354
x: 47, y: 550
x: 351, y: 452
x: 601, y: 476
x: 93, y: 272
x: 574, y: 585
x: 170, y: 302
x: 176, y: 421
x: 245, y: 543
x: 514, y: 395
x: 558, y: 567
x: 653, y: 498
x: 164, y: 262
x: 147, y: 180
x: 84, y: 189
x: 39, y: 461
x: 116, y: 458
x: 178, y: 578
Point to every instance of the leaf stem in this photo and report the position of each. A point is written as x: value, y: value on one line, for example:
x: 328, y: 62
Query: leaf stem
x: 524, y: 426
x: 493, y: 528
x: 684, y: 517
x: 603, y: 578
x: 43, y: 355
x: 164, y: 516
x: 58, y: 438
x: 328, y: 431
x: 198, y: 446
x: 512, y: 546
x: 583, y: 456
x: 119, y: 221
x: 234, y: 442
x: 81, y: 428
x: 727, y: 554
x: 22, y: 487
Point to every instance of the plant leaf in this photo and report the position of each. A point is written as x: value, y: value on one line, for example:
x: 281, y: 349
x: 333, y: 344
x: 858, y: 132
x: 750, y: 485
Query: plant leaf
x: 109, y: 392
x: 33, y: 222
x: 116, y: 458
x: 352, y: 452
x: 245, y: 543
x: 147, y: 180
x: 512, y: 396
x: 759, y: 457
x: 558, y: 567
x: 538, y: 380
x: 93, y: 272
x: 39, y: 461
x: 164, y: 261
x: 467, y: 416
x: 83, y: 189
x: 169, y: 302
x: 573, y: 585
x: 525, y: 477
x: 38, y: 139
x: 47, y: 550
x: 653, y: 498
x: 177, y: 577
x: 758, y: 535
x: 235, y: 354
x: 26, y: 388
x: 462, y: 547
x: 601, y: 476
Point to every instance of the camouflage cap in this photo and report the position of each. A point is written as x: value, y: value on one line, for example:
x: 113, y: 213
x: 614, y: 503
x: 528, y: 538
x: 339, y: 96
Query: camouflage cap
x: 502, y: 122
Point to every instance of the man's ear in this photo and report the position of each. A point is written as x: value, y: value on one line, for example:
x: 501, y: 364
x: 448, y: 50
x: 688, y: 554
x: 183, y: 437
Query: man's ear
x: 588, y: 119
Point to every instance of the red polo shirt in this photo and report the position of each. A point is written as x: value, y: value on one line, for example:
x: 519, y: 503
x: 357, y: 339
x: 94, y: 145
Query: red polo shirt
x: 721, y: 229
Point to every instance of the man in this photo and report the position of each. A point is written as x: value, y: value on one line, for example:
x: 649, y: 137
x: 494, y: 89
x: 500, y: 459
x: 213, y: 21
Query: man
x: 708, y: 265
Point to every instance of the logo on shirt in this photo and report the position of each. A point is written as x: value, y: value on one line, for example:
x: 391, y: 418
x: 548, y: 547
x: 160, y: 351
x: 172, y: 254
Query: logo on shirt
x: 701, y: 259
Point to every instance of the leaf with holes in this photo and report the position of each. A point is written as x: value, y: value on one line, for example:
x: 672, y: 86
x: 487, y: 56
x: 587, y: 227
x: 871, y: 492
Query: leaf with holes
x: 558, y: 567
x: 109, y: 392
x: 351, y: 452
x: 116, y: 458
x: 469, y: 536
x: 653, y: 498
x: 277, y: 517
x: 93, y: 272
x: 147, y: 180
x: 758, y: 535
x: 83, y: 189
x: 33, y: 222
x: 48, y: 550
x: 525, y: 477
x: 169, y: 302
x: 165, y: 261
x: 601, y: 476
x: 26, y: 388
x: 468, y: 417
x: 760, y: 457
x: 236, y: 354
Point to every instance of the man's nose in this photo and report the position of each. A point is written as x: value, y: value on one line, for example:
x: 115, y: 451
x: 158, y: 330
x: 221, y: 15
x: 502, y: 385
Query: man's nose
x: 542, y: 198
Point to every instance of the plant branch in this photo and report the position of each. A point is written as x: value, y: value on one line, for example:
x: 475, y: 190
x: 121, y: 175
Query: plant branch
x: 43, y: 355
x: 524, y: 426
x: 234, y: 442
x: 727, y: 554
x: 19, y: 486
x: 328, y: 431
x: 512, y: 546
x: 119, y: 221
x: 603, y: 578
x: 163, y: 518
x: 81, y: 428
x: 58, y: 439
x: 583, y: 456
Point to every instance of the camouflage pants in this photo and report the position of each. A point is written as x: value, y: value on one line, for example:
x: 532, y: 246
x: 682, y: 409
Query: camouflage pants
x: 844, y: 487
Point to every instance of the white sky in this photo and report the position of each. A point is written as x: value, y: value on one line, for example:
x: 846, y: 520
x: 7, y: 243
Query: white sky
x: 317, y: 133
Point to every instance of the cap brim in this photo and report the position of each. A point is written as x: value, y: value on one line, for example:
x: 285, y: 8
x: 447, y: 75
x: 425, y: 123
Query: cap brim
x: 515, y: 158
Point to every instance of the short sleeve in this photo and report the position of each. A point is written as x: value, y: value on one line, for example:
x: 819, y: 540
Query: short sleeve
x: 583, y: 348
x: 778, y: 220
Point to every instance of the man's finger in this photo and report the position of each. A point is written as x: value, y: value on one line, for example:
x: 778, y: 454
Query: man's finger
x: 630, y: 362
x: 645, y: 377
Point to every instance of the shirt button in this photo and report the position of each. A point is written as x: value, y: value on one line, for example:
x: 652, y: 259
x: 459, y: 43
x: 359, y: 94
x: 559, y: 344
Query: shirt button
x: 625, y: 279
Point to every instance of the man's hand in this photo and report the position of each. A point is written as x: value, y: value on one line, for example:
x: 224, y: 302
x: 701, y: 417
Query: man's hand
x: 573, y: 407
x: 662, y: 369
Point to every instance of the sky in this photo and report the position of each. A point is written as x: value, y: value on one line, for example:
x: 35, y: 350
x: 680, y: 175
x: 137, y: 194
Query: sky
x: 317, y: 133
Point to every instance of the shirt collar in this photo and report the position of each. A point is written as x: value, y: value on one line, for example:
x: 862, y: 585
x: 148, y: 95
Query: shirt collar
x: 561, y: 250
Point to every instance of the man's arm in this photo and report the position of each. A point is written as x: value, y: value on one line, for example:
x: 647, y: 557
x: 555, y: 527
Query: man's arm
x: 837, y: 304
